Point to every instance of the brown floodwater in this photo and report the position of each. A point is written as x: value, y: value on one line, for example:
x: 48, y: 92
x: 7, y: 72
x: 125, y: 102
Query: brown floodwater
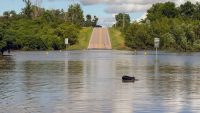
x: 90, y: 82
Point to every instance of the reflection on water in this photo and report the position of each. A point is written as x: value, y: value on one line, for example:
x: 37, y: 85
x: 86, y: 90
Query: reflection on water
x: 90, y: 82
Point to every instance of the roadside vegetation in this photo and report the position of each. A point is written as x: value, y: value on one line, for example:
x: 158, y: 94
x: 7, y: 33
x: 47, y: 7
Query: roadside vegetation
x: 116, y: 38
x: 84, y: 38
x: 177, y: 27
x: 36, y: 28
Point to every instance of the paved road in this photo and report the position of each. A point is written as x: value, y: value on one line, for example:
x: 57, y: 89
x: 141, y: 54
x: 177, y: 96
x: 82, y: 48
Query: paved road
x: 100, y: 39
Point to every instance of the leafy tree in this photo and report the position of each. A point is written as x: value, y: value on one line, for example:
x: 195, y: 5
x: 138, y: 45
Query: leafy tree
x: 123, y: 20
x: 169, y: 10
x: 94, y: 21
x: 137, y: 37
x: 187, y: 9
x: 27, y: 11
x: 160, y: 10
x: 67, y: 31
x: 197, y: 10
x: 6, y: 14
x: 167, y: 41
x: 75, y: 14
x: 88, y: 21
x: 5, y: 41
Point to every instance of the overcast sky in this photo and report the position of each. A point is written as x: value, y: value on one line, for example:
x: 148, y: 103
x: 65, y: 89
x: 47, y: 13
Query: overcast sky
x: 104, y: 9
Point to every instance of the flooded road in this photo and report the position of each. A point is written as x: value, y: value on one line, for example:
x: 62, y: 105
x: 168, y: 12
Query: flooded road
x: 90, y: 82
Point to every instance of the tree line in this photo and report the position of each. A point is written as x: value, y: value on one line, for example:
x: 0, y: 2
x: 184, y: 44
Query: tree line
x: 177, y: 27
x: 36, y: 28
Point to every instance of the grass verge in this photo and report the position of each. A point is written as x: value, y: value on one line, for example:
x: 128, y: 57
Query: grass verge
x: 117, y: 39
x: 83, y: 39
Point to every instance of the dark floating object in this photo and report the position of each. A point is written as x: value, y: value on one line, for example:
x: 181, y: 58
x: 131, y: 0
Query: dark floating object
x: 126, y: 78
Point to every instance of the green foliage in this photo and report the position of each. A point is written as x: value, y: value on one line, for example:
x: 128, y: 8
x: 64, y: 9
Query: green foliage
x: 91, y: 21
x: 187, y: 9
x: 177, y: 27
x: 83, y: 37
x: 88, y: 21
x: 75, y: 14
x: 169, y: 10
x: 159, y: 10
x: 27, y: 10
x: 5, y: 40
x: 174, y: 34
x: 94, y: 21
x: 67, y: 31
x: 137, y: 36
x: 117, y: 39
x: 122, y: 21
x: 38, y: 29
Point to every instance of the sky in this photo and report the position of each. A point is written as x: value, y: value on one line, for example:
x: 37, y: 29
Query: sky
x: 105, y: 10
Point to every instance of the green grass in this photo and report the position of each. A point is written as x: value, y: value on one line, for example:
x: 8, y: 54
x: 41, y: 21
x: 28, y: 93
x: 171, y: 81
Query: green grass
x: 117, y: 39
x: 83, y: 39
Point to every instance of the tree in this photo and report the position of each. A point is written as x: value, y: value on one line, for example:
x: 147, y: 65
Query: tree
x: 88, y: 18
x: 197, y: 10
x: 187, y: 9
x: 13, y: 13
x: 137, y: 36
x: 27, y: 10
x: 169, y: 10
x: 69, y: 31
x: 94, y: 21
x: 5, y: 43
x: 88, y: 21
x: 122, y: 21
x: 75, y: 14
x: 160, y: 10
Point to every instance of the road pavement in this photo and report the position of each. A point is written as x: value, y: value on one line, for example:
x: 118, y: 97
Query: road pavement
x: 100, y: 39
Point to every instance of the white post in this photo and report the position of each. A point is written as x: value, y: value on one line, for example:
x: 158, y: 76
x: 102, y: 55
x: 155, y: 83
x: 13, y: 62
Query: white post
x: 156, y: 54
x: 156, y: 45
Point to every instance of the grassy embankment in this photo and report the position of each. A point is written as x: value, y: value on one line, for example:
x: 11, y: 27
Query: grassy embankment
x: 83, y: 39
x: 117, y: 39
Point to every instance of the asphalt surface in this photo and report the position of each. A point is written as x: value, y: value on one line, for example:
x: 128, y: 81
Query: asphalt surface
x: 100, y: 39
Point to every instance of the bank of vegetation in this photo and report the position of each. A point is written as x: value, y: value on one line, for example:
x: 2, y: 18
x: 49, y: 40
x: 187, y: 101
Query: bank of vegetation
x: 36, y: 28
x: 83, y: 39
x: 117, y: 39
x: 178, y: 27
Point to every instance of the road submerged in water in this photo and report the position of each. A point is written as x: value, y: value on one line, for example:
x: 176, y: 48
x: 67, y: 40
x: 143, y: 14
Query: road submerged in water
x: 90, y: 82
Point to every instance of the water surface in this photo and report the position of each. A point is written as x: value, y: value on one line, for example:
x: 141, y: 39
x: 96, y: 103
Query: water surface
x: 90, y: 82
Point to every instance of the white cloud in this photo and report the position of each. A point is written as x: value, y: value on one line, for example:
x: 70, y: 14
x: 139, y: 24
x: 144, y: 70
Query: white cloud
x: 106, y: 21
x: 142, y: 17
x: 114, y: 7
x: 92, y: 2
x: 129, y: 6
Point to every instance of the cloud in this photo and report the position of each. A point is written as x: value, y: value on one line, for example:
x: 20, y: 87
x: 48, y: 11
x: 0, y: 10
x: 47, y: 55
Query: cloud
x: 92, y: 2
x: 106, y: 21
x: 129, y: 6
x: 142, y: 17
x: 122, y: 6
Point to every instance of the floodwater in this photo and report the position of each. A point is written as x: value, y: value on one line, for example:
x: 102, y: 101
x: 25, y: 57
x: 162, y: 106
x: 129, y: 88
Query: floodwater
x: 90, y: 82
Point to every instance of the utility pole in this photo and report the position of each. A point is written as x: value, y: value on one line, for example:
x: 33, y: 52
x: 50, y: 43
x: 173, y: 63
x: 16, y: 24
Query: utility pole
x: 123, y: 21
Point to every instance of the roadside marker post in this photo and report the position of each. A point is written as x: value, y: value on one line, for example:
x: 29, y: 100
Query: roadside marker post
x: 156, y: 45
x: 66, y: 42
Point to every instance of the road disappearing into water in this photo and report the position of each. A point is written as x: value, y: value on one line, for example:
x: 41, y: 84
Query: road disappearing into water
x: 100, y: 39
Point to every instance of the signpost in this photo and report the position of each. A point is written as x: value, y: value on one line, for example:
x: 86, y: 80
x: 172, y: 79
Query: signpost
x: 66, y: 42
x: 156, y: 44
